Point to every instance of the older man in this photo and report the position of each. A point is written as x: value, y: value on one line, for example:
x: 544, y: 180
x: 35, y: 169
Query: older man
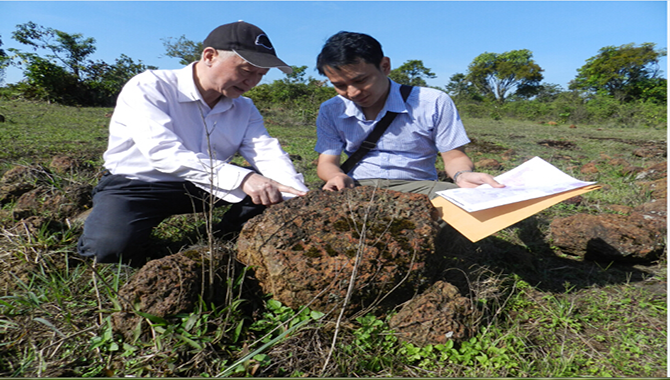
x: 172, y: 136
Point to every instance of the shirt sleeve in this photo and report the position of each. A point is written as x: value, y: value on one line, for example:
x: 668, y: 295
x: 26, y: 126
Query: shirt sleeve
x: 143, y: 111
x: 449, y: 132
x: 265, y: 154
x: 328, y: 140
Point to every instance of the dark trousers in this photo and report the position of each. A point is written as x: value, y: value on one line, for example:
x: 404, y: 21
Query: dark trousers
x: 125, y: 211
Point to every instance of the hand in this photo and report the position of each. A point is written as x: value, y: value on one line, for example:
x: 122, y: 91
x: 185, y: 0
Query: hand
x: 339, y: 182
x: 265, y: 191
x: 474, y: 179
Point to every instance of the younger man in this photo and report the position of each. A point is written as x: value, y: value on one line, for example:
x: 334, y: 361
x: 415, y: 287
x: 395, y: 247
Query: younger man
x: 404, y: 157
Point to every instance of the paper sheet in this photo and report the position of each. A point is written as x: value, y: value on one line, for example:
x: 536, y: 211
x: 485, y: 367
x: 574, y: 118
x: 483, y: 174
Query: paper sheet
x: 533, y: 179
x: 530, y: 188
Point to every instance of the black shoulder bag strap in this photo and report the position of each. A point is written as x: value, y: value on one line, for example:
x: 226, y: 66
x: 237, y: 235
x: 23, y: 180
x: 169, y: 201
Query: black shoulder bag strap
x: 371, y: 140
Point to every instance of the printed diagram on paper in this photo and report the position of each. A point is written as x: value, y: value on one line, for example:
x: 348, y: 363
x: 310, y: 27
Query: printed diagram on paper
x: 533, y: 179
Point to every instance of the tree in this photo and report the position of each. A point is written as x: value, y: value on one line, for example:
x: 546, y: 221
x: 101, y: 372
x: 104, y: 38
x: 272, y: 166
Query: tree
x: 460, y: 88
x: 4, y: 61
x: 412, y: 73
x: 77, y: 80
x: 548, y: 92
x: 626, y: 72
x: 109, y: 79
x: 186, y: 50
x: 70, y: 49
x: 500, y: 75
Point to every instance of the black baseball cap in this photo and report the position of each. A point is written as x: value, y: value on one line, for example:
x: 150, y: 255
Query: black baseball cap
x: 249, y: 42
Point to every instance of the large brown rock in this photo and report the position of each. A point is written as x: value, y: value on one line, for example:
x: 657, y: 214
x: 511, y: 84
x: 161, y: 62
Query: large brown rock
x: 639, y: 236
x: 303, y: 250
x: 437, y: 315
x: 161, y: 288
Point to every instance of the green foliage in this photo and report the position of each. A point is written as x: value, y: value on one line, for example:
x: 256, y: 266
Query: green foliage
x: 4, y: 61
x: 460, y: 89
x: 373, y: 346
x: 186, y: 50
x: 76, y: 81
x: 626, y: 72
x: 50, y: 82
x: 412, y: 73
x: 70, y: 49
x: 303, y: 96
x: 500, y: 75
x: 279, y: 318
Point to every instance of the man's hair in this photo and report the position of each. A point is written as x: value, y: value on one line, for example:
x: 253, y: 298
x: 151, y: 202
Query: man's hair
x: 224, y: 54
x: 346, y: 48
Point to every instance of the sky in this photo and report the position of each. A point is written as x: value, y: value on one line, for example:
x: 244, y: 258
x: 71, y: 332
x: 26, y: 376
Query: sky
x: 445, y: 35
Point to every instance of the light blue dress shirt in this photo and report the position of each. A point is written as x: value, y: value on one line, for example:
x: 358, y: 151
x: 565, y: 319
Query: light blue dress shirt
x: 427, y: 124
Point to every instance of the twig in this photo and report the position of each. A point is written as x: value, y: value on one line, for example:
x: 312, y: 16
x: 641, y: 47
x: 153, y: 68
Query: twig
x: 350, y: 288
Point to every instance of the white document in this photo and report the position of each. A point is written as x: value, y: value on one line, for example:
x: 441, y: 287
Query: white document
x: 533, y: 179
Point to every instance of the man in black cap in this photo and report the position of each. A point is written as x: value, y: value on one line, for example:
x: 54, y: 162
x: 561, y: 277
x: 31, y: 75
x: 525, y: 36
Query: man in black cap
x: 172, y: 136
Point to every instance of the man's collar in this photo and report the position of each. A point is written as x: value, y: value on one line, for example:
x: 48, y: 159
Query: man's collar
x: 394, y: 103
x: 188, y: 91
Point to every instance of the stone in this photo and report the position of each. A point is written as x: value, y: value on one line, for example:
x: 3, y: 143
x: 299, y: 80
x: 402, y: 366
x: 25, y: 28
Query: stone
x: 488, y: 163
x: 610, y: 237
x: 162, y: 288
x: 589, y: 168
x: 303, y: 250
x: 63, y: 164
x: 653, y: 172
x: 437, y: 315
x: 657, y: 189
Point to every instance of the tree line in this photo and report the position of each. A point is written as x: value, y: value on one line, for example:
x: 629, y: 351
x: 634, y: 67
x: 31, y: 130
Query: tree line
x: 620, y: 84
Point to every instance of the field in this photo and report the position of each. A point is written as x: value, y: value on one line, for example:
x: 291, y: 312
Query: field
x: 544, y: 313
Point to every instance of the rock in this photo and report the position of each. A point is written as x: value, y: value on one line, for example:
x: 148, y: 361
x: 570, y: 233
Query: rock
x: 653, y: 172
x: 634, y: 238
x: 621, y: 209
x: 618, y: 162
x: 63, y: 164
x: 558, y: 144
x: 36, y: 191
x: 488, y: 163
x: 658, y: 189
x: 654, y: 214
x: 589, y: 168
x: 162, y: 288
x: 508, y: 155
x: 16, y: 182
x: 650, y: 152
x: 437, y: 315
x: 29, y: 203
x: 303, y: 250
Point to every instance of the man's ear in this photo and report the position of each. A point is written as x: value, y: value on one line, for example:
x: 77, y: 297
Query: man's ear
x: 209, y: 55
x: 385, y: 65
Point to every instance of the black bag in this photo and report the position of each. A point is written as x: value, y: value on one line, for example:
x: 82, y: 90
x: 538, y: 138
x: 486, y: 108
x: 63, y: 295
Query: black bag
x: 371, y: 140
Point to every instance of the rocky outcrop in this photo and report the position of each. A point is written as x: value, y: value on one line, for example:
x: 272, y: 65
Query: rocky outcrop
x: 637, y: 237
x: 38, y: 192
x: 304, y: 250
x: 437, y: 315
x: 162, y: 288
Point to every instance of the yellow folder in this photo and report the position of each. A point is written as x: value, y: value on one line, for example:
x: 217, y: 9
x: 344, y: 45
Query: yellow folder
x: 480, y: 224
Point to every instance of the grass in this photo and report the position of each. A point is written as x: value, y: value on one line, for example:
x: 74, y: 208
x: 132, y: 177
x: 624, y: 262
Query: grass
x: 544, y: 313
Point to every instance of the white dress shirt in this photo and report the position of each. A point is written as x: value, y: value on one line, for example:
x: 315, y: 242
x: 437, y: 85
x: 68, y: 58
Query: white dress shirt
x: 162, y: 130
